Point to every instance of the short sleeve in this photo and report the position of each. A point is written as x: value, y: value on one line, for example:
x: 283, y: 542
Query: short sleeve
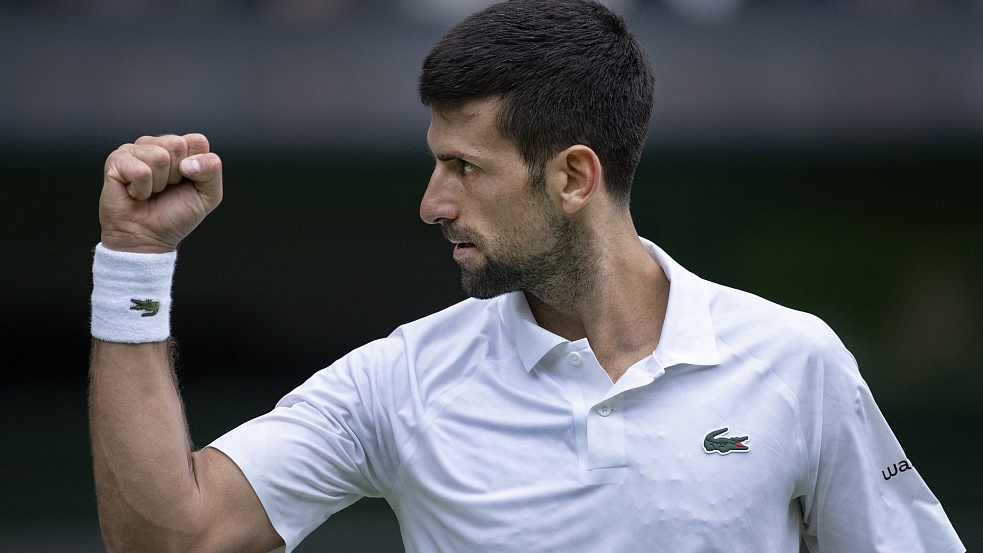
x: 320, y: 449
x: 868, y: 495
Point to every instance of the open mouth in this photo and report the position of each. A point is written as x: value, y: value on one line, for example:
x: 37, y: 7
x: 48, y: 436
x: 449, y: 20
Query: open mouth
x: 462, y: 248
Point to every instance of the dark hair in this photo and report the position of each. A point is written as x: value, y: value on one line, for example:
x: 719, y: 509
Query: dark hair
x: 568, y: 72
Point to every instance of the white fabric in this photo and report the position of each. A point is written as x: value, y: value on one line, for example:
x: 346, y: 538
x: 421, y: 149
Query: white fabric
x: 485, y: 433
x: 120, y: 279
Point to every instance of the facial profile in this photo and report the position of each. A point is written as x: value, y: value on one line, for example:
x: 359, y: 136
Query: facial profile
x: 508, y: 232
x: 543, y: 255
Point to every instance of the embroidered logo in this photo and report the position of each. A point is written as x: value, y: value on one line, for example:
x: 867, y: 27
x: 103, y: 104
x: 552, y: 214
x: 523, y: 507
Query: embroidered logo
x: 150, y: 306
x: 897, y: 468
x: 723, y: 445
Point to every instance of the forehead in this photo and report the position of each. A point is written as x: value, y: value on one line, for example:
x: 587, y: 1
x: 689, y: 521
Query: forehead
x: 467, y: 130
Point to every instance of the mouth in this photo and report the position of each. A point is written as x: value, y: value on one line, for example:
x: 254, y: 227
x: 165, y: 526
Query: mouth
x: 460, y: 236
x: 462, y: 248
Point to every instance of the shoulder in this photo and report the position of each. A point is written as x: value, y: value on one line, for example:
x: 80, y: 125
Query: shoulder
x: 813, y: 368
x: 423, y: 356
x: 460, y: 317
x: 466, y: 320
x: 471, y: 328
x: 468, y: 328
x: 798, y: 348
x: 770, y: 331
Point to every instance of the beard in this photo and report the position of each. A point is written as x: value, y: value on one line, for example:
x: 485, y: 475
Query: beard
x: 553, y: 261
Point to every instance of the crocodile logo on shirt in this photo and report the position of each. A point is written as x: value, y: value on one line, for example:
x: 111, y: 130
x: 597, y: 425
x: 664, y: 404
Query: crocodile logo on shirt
x: 150, y: 306
x: 723, y: 445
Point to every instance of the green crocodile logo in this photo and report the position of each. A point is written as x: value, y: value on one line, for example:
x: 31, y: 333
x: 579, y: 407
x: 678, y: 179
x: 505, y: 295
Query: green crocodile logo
x: 150, y: 306
x: 725, y: 445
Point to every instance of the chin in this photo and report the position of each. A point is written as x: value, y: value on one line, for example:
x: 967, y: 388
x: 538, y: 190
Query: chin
x: 486, y: 282
x: 484, y: 293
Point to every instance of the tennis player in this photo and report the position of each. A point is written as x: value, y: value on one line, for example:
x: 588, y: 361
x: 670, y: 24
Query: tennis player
x: 592, y: 395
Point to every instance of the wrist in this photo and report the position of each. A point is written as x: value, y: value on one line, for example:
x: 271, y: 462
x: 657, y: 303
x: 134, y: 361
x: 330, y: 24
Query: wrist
x: 131, y: 243
x: 131, y: 295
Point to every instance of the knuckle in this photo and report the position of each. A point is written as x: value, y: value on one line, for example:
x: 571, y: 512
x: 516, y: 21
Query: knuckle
x: 117, y: 156
x: 198, y: 140
x: 142, y: 172
x: 160, y: 158
x: 173, y: 143
x: 123, y: 150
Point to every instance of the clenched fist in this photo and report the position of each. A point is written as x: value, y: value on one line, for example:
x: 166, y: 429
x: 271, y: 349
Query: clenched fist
x: 156, y: 191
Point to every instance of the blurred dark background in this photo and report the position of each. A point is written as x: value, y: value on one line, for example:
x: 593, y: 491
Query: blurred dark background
x: 822, y: 154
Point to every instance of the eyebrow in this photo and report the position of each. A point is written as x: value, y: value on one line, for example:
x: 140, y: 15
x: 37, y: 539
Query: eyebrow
x: 453, y: 155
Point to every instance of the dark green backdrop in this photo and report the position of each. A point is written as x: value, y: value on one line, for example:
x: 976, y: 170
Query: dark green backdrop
x: 310, y: 257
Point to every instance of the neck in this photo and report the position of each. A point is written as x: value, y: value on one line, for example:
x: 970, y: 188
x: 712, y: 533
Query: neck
x: 619, y: 304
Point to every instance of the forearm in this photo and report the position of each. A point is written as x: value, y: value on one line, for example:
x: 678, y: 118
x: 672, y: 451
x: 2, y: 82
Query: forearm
x: 142, y: 456
x: 154, y: 493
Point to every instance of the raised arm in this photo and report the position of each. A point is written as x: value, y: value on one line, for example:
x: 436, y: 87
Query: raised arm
x: 154, y: 493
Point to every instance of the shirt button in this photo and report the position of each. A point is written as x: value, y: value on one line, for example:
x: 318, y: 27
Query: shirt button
x: 604, y: 409
x: 574, y: 358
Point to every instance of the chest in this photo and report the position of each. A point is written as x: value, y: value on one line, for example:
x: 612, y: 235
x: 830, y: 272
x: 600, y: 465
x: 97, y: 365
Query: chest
x: 698, y: 456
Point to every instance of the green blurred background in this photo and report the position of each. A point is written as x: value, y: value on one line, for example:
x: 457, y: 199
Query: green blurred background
x: 875, y: 224
x: 884, y: 246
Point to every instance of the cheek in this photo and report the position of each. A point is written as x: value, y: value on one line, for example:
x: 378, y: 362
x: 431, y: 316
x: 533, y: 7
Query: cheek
x: 530, y: 223
x: 507, y: 210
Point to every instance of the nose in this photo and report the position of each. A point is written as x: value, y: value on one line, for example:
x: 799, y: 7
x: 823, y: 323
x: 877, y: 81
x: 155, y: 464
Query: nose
x: 438, y: 204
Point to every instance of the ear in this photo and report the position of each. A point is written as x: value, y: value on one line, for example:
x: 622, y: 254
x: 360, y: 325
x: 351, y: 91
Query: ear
x: 576, y: 174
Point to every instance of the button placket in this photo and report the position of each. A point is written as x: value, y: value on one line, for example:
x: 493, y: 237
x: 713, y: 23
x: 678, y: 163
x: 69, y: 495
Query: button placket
x: 606, y: 435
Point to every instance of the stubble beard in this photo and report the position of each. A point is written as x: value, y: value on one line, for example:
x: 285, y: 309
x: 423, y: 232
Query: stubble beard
x: 558, y: 275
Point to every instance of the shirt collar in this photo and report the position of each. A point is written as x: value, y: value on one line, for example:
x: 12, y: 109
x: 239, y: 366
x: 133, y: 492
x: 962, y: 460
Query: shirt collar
x: 687, y: 333
x: 532, y: 341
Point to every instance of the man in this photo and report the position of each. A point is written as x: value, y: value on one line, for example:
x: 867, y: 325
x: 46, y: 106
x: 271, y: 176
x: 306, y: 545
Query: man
x: 592, y: 396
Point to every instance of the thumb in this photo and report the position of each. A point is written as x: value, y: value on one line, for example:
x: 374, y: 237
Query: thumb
x: 205, y: 170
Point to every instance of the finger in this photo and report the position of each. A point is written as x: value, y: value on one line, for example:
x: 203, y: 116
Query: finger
x: 177, y: 146
x: 158, y: 159
x: 124, y: 169
x: 197, y: 144
x: 206, y: 171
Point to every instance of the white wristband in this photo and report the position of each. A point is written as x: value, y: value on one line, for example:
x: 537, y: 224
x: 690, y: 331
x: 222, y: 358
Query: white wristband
x: 131, y: 295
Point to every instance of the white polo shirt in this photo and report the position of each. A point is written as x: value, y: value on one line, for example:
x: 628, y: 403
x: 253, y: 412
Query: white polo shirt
x: 485, y: 432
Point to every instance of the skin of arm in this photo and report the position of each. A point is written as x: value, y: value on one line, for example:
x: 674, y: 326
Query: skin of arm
x: 155, y: 493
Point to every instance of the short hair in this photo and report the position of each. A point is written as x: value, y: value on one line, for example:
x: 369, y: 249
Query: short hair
x: 568, y: 72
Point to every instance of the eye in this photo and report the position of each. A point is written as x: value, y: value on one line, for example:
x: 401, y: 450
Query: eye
x: 467, y: 168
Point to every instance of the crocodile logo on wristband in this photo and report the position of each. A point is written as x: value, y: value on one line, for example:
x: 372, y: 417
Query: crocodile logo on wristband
x: 150, y: 306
